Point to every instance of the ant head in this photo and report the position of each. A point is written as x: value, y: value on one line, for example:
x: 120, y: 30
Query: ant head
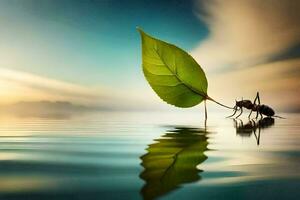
x: 236, y: 102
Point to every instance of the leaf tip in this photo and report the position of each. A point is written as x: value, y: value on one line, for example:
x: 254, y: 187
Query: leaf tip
x: 139, y: 29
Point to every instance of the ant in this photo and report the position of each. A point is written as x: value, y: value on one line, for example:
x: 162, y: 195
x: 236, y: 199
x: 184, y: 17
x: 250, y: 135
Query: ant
x: 258, y: 108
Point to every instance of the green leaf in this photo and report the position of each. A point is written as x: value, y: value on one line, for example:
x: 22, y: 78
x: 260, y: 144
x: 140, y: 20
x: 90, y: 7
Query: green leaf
x: 172, y: 160
x: 172, y: 73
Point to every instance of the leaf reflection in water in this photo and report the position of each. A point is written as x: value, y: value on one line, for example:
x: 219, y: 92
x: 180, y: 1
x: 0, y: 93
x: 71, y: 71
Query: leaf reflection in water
x: 172, y: 161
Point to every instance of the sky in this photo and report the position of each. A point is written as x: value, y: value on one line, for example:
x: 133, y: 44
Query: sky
x: 89, y: 52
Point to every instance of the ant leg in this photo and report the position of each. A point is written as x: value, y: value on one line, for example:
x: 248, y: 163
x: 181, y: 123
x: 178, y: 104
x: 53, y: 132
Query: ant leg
x: 240, y: 113
x: 235, y: 109
x: 256, y: 98
x: 235, y: 123
x: 257, y: 137
x: 257, y: 95
x: 261, y: 116
x: 254, y: 103
x: 242, y: 124
x: 249, y: 114
x: 256, y: 115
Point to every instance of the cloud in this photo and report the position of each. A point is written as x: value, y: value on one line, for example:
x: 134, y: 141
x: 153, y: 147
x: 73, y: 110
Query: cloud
x: 43, y: 83
x: 253, y: 45
x: 278, y: 84
x: 247, y: 32
x: 45, y: 109
x: 19, y: 86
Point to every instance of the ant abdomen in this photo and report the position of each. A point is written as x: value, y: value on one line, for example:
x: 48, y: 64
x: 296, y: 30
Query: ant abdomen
x: 266, y: 110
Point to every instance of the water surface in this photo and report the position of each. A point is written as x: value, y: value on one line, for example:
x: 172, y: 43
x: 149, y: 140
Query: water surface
x: 112, y: 155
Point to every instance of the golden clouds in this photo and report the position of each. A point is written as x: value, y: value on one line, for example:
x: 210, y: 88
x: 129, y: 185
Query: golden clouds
x: 16, y: 85
x: 247, y: 32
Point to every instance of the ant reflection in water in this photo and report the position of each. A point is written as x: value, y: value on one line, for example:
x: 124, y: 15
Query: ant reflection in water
x: 246, y: 130
x: 172, y: 160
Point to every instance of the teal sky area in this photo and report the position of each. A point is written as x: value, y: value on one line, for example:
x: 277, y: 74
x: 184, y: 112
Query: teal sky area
x: 92, y: 42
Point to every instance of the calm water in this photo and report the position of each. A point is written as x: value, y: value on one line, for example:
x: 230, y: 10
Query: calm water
x: 149, y: 155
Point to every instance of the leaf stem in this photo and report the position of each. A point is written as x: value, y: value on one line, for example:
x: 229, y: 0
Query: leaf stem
x: 211, y: 99
x: 205, y: 109
x: 205, y: 114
